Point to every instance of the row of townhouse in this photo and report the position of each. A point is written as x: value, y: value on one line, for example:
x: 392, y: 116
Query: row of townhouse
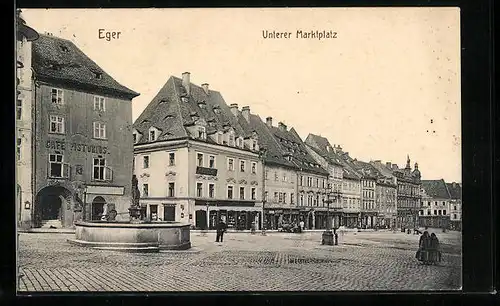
x: 73, y: 123
x: 198, y: 160
x: 441, y: 205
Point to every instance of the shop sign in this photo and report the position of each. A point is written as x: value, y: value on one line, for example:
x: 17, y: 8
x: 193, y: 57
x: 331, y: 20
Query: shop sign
x: 75, y: 146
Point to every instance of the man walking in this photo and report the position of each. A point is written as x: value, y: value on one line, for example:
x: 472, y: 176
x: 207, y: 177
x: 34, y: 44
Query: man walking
x: 221, y: 228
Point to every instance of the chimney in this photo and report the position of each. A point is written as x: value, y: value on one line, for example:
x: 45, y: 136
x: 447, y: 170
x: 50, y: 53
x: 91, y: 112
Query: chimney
x: 282, y: 126
x: 186, y: 82
x: 269, y: 121
x: 234, y: 109
x: 245, y: 111
x: 205, y: 88
x: 388, y: 165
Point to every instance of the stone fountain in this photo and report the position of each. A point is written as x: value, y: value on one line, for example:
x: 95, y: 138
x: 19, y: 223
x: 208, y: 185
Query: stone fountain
x: 136, y: 235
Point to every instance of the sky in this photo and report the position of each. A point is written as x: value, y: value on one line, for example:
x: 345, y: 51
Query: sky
x: 386, y: 87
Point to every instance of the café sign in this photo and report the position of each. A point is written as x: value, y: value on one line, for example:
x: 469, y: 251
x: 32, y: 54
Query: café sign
x: 75, y: 146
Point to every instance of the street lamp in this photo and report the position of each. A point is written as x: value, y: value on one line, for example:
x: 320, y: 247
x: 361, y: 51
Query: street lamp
x: 262, y: 154
x: 327, y: 236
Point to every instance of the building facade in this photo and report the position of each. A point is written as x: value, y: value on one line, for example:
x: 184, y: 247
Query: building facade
x: 325, y: 154
x: 196, y: 160
x: 435, y: 205
x: 455, y: 190
x: 386, y: 194
x: 82, y: 118
x: 409, y: 196
x: 369, y: 211
x: 24, y: 122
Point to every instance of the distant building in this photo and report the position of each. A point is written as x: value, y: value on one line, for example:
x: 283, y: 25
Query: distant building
x: 312, y: 179
x: 409, y: 197
x: 369, y: 211
x: 435, y: 205
x: 197, y: 159
x: 327, y: 156
x: 351, y: 192
x: 280, y: 175
x: 455, y: 190
x: 385, y: 195
x: 82, y: 146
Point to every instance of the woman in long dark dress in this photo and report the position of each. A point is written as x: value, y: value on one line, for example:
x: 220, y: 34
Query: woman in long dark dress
x: 423, y: 248
x: 434, y: 252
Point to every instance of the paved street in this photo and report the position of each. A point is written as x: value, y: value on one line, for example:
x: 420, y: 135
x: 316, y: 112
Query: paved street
x: 244, y: 262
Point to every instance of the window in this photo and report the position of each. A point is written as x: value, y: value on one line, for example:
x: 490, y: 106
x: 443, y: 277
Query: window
x: 242, y: 193
x: 253, y: 193
x: 454, y: 216
x: 435, y: 212
x: 230, y: 164
x: 275, y: 196
x: 284, y: 197
x: 254, y: 145
x: 202, y: 132
x: 301, y: 199
x: 199, y: 190
x: 455, y: 207
x: 291, y: 198
x: 145, y: 162
x: 219, y: 138
x: 19, y: 109
x: 275, y: 175
x: 301, y: 180
x: 57, y: 96
x: 428, y: 203
x: 56, y: 124
x: 171, y: 159
x: 284, y: 177
x: 280, y: 197
x: 266, y: 194
x: 99, y: 130
x: 171, y: 189
x: 152, y: 135
x: 211, y: 161
x: 145, y: 190
x: 99, y: 103
x: 134, y: 137
x: 18, y: 148
x: 444, y: 212
x: 242, y: 166
x: 254, y: 168
x: 231, y: 139
x: 439, y: 212
x: 229, y: 192
x: 57, y: 167
x: 100, y: 171
x: 199, y: 159
x: 211, y: 190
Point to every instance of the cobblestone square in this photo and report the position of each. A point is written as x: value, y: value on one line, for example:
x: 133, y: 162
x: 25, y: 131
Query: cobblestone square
x: 243, y: 262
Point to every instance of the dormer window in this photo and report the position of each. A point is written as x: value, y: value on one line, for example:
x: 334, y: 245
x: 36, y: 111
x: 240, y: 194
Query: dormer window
x: 202, y: 134
x: 231, y: 138
x: 219, y: 138
x: 254, y: 145
x: 64, y: 48
x: 136, y: 136
x: 202, y: 104
x: 239, y: 142
x: 153, y: 134
x: 184, y: 99
x: 216, y: 110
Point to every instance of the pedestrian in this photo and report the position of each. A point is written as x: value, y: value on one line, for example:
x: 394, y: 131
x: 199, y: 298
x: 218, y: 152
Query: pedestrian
x: 423, y: 248
x: 221, y: 228
x: 434, y: 251
x: 301, y: 223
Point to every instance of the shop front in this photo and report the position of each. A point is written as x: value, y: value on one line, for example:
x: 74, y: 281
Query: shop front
x: 368, y: 219
x: 237, y: 215
x: 350, y: 220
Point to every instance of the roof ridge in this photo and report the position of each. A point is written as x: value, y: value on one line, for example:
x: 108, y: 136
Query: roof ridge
x: 178, y: 107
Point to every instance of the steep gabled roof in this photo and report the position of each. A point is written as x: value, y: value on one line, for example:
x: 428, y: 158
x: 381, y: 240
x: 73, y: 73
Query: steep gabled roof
x: 455, y: 190
x: 322, y: 146
x: 291, y: 144
x: 274, y: 153
x: 436, y: 189
x: 60, y: 60
x: 367, y: 170
x: 169, y: 113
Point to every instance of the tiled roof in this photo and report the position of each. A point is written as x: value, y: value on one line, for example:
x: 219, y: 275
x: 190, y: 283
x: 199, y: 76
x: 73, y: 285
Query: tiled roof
x: 291, y: 144
x: 455, y: 190
x: 367, y: 169
x: 168, y: 113
x: 273, y: 153
x: 436, y: 189
x: 59, y: 60
x: 321, y: 146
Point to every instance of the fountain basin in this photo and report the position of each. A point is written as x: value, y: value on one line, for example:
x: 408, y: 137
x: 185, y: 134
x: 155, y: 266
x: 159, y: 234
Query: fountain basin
x: 132, y: 237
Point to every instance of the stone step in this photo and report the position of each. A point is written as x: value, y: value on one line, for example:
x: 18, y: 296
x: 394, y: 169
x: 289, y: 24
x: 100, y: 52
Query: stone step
x: 54, y: 223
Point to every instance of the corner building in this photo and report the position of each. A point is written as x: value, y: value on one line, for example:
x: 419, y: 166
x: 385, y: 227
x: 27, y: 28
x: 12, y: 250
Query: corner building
x: 196, y: 159
x: 82, y: 139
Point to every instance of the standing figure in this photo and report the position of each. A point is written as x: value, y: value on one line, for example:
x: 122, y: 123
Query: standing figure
x: 221, y: 228
x: 423, y: 248
x: 301, y: 223
x: 434, y: 251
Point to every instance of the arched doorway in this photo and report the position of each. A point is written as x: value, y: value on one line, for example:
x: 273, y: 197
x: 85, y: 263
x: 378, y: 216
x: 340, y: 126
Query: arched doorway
x: 50, y: 204
x: 98, y: 208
